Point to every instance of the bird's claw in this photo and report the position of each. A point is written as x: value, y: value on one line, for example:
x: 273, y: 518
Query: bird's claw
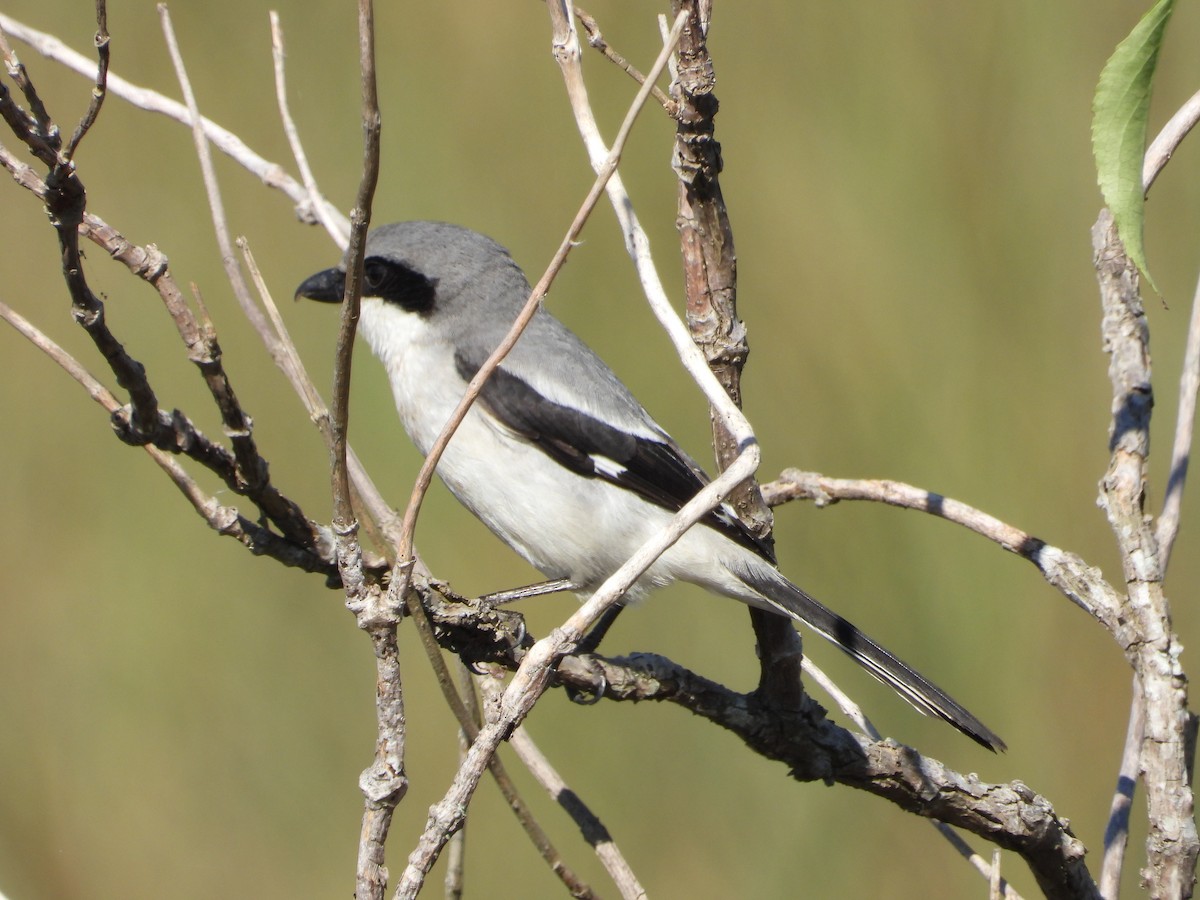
x: 594, y: 692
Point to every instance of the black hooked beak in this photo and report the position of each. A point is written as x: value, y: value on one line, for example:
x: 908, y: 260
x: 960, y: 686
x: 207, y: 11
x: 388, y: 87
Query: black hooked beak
x: 328, y: 286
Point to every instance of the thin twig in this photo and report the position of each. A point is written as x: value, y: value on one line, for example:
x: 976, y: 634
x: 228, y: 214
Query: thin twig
x: 251, y: 466
x: 333, y: 225
x: 532, y: 678
x: 456, y: 852
x: 1116, y: 832
x: 379, y: 518
x: 384, y: 782
x: 271, y: 174
x: 565, y: 43
x: 456, y: 849
x: 34, y: 127
x: 1163, y: 147
x: 998, y: 885
x: 606, y: 171
x: 216, y: 204
x: 459, y: 703
x: 1158, y: 154
x: 65, y: 360
x: 1082, y: 584
x: 1167, y: 528
x: 593, y: 829
x: 174, y: 432
x: 288, y: 358
x: 99, y: 89
x: 859, y: 718
x: 539, y: 589
x: 597, y: 42
x: 360, y: 221
x: 1144, y: 631
x: 225, y: 520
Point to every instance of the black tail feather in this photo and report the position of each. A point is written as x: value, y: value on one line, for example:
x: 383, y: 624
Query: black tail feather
x: 910, y: 684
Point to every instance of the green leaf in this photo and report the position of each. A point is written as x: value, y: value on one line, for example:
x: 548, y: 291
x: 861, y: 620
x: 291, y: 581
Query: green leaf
x: 1119, y: 115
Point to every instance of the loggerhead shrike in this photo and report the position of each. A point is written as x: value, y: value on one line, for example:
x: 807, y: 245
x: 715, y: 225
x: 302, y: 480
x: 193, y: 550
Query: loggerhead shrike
x: 556, y: 456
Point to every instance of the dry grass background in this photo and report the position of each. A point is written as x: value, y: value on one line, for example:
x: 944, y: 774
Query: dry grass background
x: 911, y: 191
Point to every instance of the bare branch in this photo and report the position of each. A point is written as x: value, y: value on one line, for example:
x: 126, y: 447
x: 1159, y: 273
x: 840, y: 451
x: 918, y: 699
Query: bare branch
x: 384, y: 782
x: 66, y: 201
x: 1185, y: 425
x: 1116, y: 833
x: 533, y: 676
x: 334, y: 225
x: 1080, y: 583
x: 597, y: 42
x: 456, y: 850
x: 460, y: 703
x: 589, y: 824
x: 202, y: 345
x: 710, y: 290
x: 35, y: 128
x: 815, y: 749
x: 224, y: 520
x: 1161, y: 149
x: 1167, y: 528
x: 1157, y: 156
x: 1144, y: 631
x: 378, y: 515
x: 606, y: 173
x: 360, y: 221
x: 271, y: 174
x: 144, y: 423
x: 220, y: 222
x: 99, y: 89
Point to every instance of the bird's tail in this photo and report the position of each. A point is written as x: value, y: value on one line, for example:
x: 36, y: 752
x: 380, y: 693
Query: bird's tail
x: 910, y: 684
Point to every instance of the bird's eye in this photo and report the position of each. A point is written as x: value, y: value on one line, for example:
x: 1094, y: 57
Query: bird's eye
x: 374, y: 274
x: 394, y: 282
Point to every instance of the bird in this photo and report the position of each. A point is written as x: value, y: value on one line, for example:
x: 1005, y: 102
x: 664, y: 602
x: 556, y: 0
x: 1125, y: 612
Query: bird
x: 556, y: 456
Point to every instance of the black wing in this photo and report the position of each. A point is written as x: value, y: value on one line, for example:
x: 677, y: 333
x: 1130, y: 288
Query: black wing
x: 657, y: 470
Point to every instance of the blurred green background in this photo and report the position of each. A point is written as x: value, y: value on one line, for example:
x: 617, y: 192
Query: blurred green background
x: 911, y: 190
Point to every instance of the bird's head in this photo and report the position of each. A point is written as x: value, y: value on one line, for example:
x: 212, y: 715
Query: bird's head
x: 427, y: 269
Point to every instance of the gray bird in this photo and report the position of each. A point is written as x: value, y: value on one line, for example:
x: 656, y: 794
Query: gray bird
x: 556, y: 457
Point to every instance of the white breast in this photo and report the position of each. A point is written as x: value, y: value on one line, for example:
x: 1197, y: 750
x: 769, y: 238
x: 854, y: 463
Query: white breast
x: 535, y: 505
